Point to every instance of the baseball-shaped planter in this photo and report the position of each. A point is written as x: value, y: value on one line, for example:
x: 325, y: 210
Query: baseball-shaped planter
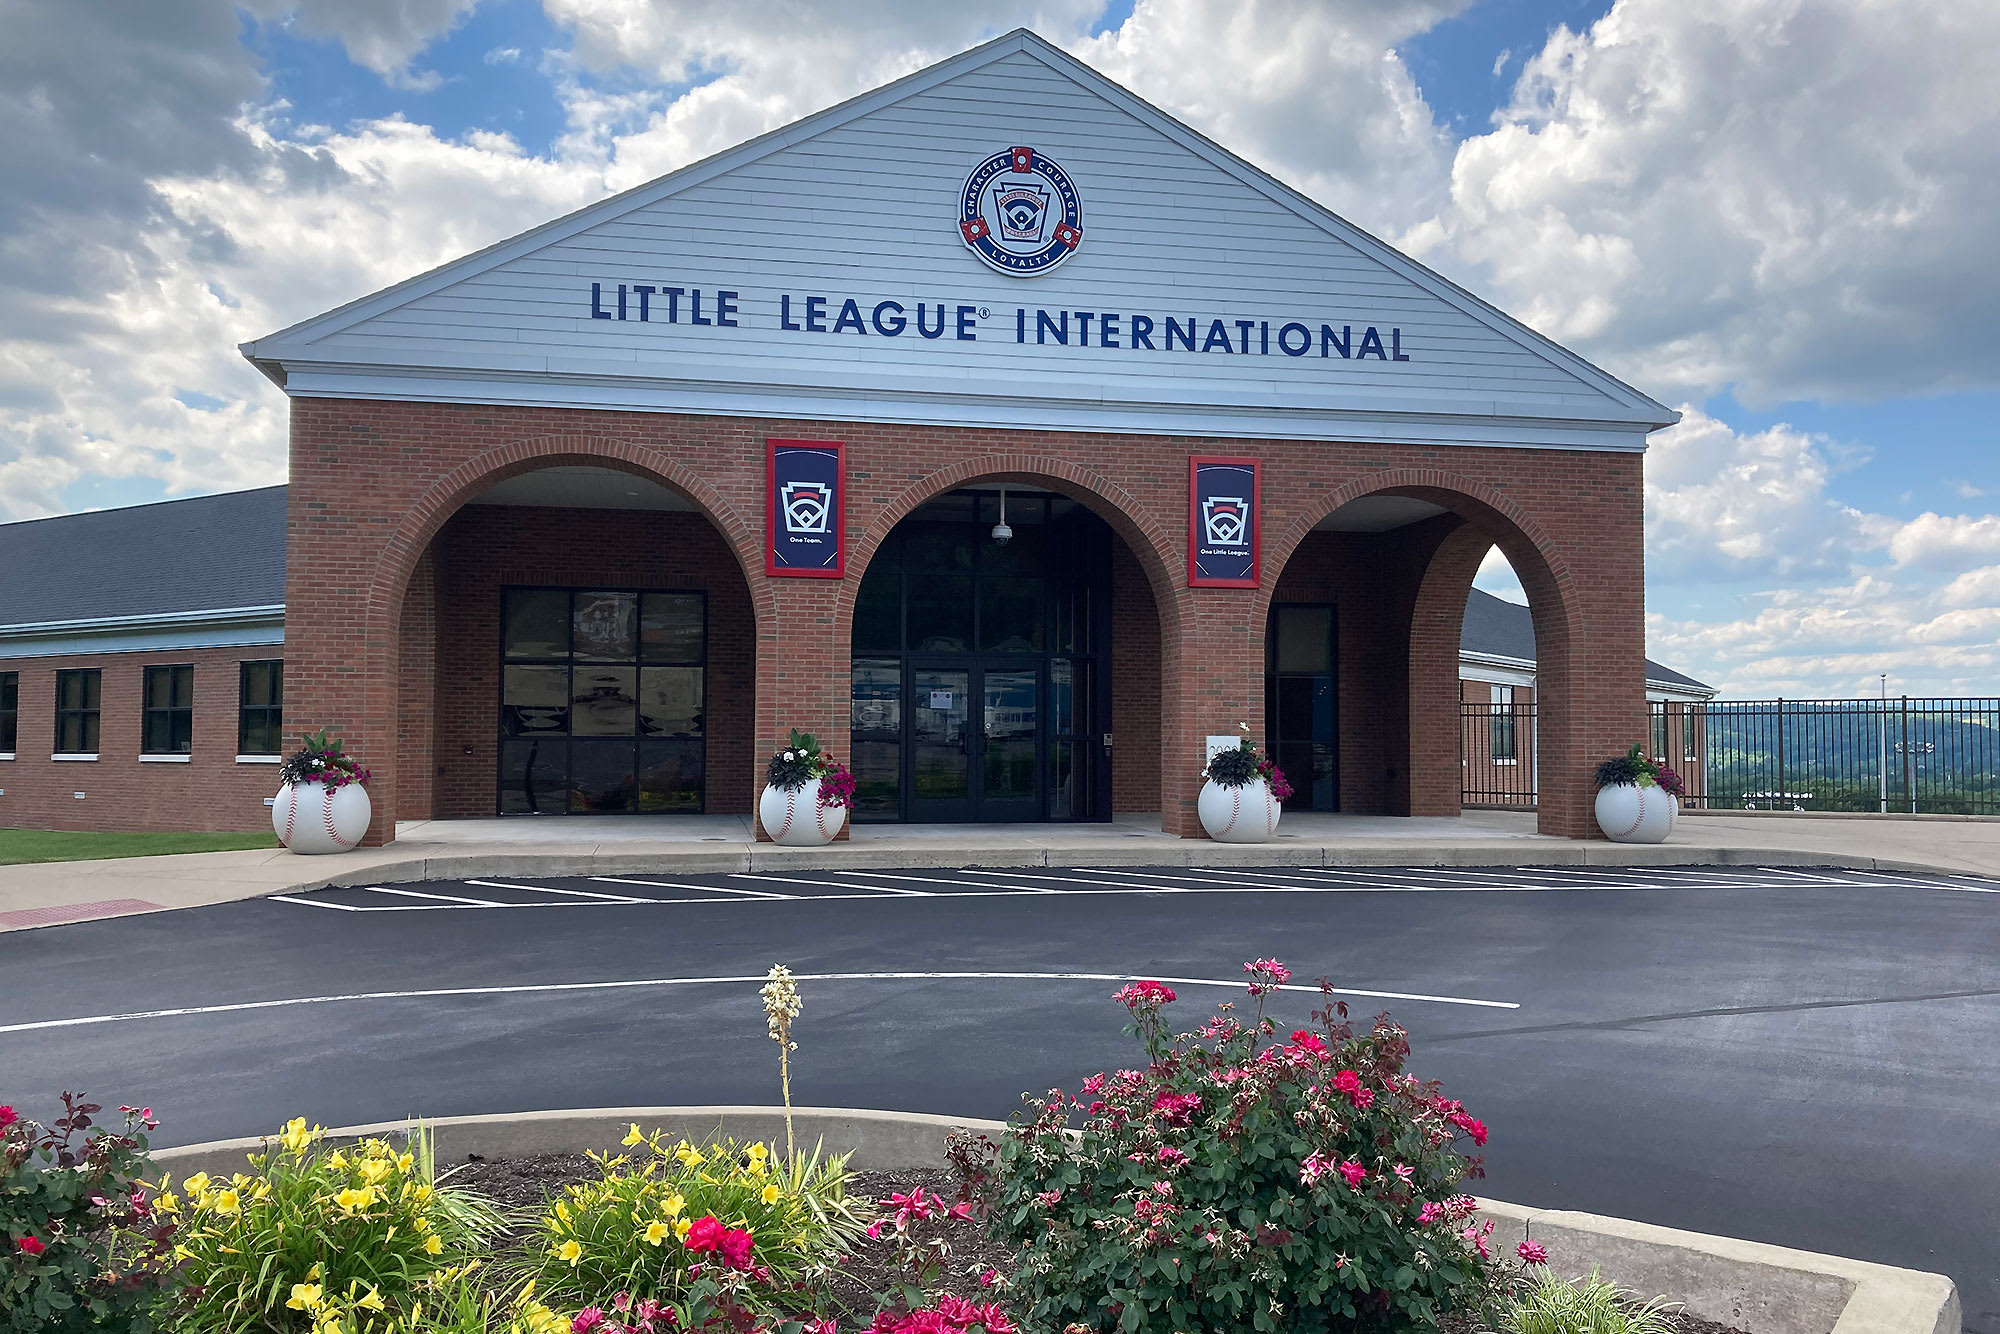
x: 314, y: 818
x: 795, y: 817
x: 1246, y: 814
x: 1630, y: 813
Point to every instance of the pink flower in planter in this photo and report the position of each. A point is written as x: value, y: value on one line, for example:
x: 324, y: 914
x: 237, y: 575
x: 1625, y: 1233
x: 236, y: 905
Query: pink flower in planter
x: 1533, y: 1252
x: 1353, y: 1173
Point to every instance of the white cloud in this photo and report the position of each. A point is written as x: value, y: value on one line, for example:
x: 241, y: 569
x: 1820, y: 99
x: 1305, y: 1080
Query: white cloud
x: 381, y: 35
x: 1792, y: 197
x: 503, y: 55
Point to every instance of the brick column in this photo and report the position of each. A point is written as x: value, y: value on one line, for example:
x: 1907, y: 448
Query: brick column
x: 1212, y: 678
x: 1437, y: 620
x: 804, y: 673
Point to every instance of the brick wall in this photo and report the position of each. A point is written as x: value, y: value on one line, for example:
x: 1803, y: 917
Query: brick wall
x: 210, y: 791
x: 484, y: 548
x: 372, y: 482
x: 1135, y: 687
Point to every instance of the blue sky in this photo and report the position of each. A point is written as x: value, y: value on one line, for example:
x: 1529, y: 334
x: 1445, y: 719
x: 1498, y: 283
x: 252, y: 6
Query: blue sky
x: 1792, y: 249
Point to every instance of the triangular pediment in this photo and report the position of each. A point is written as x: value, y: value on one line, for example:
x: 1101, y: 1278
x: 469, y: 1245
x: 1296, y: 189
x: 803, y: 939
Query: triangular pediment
x: 823, y: 271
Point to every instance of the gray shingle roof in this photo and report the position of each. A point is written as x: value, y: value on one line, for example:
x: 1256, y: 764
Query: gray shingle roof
x: 202, y: 554
x: 1507, y: 630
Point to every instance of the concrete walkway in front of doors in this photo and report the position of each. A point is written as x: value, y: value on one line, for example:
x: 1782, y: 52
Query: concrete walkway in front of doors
x: 47, y: 893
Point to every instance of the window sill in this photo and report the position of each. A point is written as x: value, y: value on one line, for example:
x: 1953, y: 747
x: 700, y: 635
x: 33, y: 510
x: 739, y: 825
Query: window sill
x: 6, y: 754
x: 165, y: 759
x: 260, y: 759
x: 79, y: 758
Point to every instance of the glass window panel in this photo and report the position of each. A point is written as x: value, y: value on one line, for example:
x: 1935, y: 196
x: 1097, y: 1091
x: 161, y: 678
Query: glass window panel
x: 670, y: 702
x: 671, y: 774
x: 603, y: 702
x: 535, y: 623
x: 602, y: 775
x: 534, y: 701
x: 10, y: 709
x: 1062, y: 780
x: 877, y: 707
x: 1305, y: 639
x: 256, y: 684
x: 671, y: 627
x: 940, y: 612
x: 934, y: 547
x: 1012, y: 717
x: 878, y: 609
x: 956, y: 505
x: 1062, y: 697
x: 875, y: 721
x: 605, y: 627
x: 532, y: 776
x: 1010, y: 615
x: 940, y: 760
x: 259, y: 735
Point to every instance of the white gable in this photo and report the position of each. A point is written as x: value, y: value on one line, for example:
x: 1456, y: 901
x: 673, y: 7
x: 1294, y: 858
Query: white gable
x: 860, y: 205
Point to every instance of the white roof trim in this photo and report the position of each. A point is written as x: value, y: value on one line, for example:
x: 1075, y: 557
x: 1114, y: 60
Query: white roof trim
x: 149, y: 621
x: 294, y: 342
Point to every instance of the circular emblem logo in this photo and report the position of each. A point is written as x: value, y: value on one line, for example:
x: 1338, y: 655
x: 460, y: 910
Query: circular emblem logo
x: 1020, y: 213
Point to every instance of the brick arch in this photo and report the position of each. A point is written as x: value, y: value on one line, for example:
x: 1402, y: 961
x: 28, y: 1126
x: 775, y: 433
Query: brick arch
x: 1151, y: 544
x: 449, y: 493
x: 1447, y: 552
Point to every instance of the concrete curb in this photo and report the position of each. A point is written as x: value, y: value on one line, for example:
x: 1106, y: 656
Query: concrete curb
x: 1764, y: 1289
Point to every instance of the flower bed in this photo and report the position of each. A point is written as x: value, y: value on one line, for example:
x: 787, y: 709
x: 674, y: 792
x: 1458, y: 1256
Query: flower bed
x: 1238, y: 1179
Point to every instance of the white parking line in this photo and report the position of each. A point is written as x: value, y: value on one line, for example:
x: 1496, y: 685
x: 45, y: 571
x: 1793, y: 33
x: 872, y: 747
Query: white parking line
x: 943, y: 880
x: 675, y: 884
x: 553, y: 889
x: 442, y: 898
x: 238, y: 1007
x: 829, y: 884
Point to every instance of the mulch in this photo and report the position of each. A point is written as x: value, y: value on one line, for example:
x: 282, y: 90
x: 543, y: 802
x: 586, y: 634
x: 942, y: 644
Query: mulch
x: 526, y: 1183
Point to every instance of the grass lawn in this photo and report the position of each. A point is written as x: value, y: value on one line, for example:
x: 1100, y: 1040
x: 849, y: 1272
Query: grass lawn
x: 64, y: 845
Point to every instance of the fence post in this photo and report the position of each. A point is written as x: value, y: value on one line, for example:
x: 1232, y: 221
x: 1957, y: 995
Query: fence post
x: 1781, y: 754
x: 1909, y: 770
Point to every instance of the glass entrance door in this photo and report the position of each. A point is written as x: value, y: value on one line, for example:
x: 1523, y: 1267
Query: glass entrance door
x: 975, y: 743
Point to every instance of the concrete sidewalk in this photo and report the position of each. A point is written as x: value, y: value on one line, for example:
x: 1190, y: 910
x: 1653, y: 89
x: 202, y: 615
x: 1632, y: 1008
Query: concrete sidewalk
x: 44, y: 893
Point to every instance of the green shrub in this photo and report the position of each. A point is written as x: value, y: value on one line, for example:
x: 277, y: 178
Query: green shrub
x: 1243, y: 1183
x: 1549, y: 1304
x: 80, y: 1249
x: 642, y: 1229
x: 314, y: 1235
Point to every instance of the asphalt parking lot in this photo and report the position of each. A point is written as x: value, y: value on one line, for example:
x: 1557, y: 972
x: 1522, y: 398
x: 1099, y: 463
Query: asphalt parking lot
x: 1810, y: 1058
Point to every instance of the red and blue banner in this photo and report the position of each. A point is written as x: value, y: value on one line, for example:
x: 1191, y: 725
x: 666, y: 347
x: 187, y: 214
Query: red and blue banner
x: 1224, y: 532
x: 806, y: 510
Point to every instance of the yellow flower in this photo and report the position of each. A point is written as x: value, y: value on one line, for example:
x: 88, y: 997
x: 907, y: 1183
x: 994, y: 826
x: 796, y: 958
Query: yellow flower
x: 689, y: 1155
x: 771, y: 1194
x: 633, y: 1136
x: 167, y: 1203
x: 305, y: 1297
x: 433, y: 1244
x: 372, y: 1302
x: 571, y: 1252
x: 337, y: 1161
x: 406, y: 1162
x: 195, y: 1184
x: 226, y: 1202
x: 674, y: 1205
x: 422, y: 1224
x: 656, y: 1233
x: 682, y: 1227
x: 374, y: 1171
x: 562, y: 1213
x: 353, y: 1199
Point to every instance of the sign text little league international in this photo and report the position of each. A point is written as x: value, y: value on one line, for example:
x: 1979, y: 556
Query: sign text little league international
x: 847, y: 316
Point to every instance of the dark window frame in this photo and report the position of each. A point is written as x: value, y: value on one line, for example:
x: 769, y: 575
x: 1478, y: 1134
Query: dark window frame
x: 86, y: 714
x: 1503, y: 736
x: 1304, y: 784
x: 271, y: 715
x: 175, y: 718
x: 10, y: 711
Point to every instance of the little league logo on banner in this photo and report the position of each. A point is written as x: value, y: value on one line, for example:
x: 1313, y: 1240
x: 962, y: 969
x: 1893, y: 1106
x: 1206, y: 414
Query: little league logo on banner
x: 1223, y: 535
x: 805, y: 509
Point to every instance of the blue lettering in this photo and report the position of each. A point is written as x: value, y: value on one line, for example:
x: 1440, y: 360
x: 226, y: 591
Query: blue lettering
x: 1340, y: 344
x: 1264, y: 347
x: 621, y: 301
x: 850, y: 318
x: 1083, y: 319
x: 889, y: 328
x: 1217, y: 336
x: 1107, y: 330
x: 1244, y: 327
x: 1020, y: 324
x: 924, y: 328
x: 968, y: 327
x: 1396, y: 346
x: 1044, y: 325
x: 785, y: 320
x: 694, y: 315
x: 673, y: 296
x: 1142, y: 331
x: 645, y: 294
x: 597, y: 310
x: 1372, y: 339
x: 725, y: 309
x: 1305, y: 340
x: 1174, y: 331
x: 815, y: 314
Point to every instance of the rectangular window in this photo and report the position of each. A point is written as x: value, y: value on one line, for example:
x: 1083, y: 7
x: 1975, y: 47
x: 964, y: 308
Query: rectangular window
x: 10, y: 709
x: 1502, y: 726
x: 168, y: 724
x: 260, y: 713
x: 77, y: 695
x: 1660, y: 730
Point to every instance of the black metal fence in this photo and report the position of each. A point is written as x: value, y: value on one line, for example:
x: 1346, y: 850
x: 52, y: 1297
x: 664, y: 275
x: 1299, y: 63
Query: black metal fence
x: 1905, y: 754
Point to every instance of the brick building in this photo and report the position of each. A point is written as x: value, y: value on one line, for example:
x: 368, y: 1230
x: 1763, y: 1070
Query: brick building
x: 587, y: 520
